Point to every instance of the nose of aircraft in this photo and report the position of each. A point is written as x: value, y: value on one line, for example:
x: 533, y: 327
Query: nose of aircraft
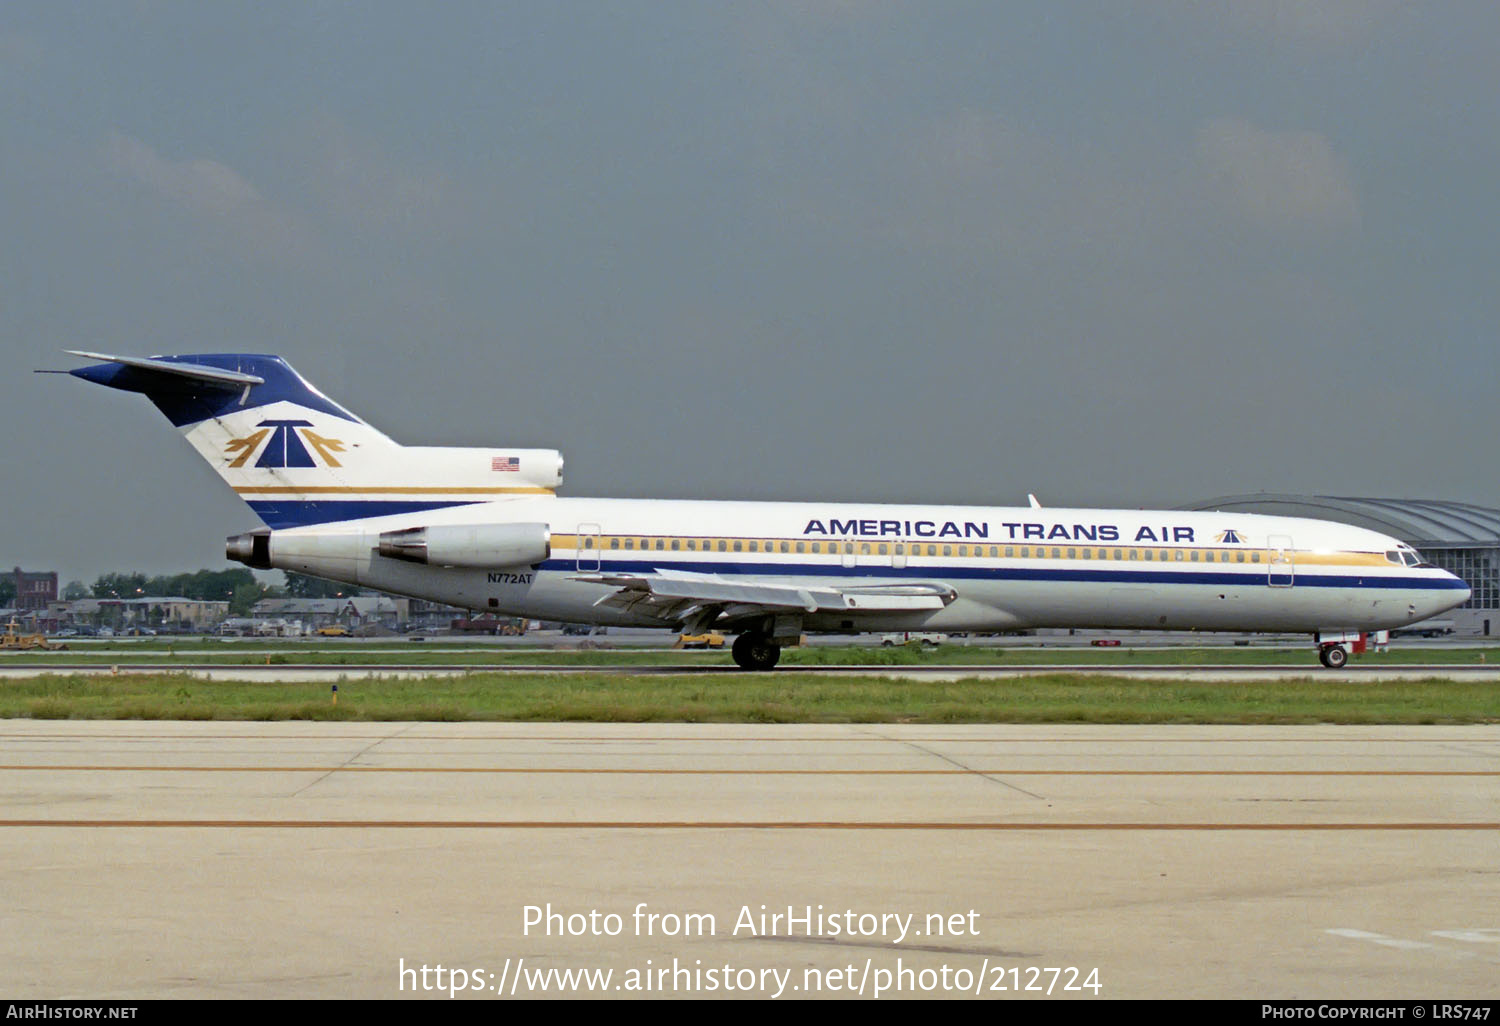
x: 1456, y: 594
x: 1462, y: 596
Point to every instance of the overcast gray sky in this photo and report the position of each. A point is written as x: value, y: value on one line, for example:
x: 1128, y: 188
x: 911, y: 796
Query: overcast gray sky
x: 1111, y: 253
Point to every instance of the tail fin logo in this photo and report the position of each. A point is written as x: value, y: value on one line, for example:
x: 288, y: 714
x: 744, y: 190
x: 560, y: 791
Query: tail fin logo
x: 285, y: 447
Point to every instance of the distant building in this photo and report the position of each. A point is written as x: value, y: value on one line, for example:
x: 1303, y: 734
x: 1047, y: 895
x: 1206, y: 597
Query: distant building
x: 34, y: 590
x: 355, y: 612
x: 150, y: 610
x: 1459, y: 537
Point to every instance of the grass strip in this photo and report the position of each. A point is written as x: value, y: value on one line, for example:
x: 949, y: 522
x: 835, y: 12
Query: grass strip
x: 782, y: 697
x: 814, y: 655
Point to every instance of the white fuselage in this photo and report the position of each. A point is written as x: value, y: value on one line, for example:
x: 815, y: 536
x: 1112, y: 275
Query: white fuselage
x: 1010, y: 568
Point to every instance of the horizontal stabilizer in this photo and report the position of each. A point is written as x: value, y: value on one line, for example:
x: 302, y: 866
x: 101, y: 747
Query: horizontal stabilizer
x: 234, y: 380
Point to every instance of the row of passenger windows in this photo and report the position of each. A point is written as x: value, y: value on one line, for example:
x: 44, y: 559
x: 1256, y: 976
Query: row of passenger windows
x: 902, y: 548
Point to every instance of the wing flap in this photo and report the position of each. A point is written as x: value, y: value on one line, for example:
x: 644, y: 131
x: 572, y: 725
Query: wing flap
x: 671, y: 593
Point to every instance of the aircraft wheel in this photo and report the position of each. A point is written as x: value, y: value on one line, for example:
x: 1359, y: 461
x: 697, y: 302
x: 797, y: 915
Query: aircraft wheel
x: 1333, y: 656
x: 754, y: 651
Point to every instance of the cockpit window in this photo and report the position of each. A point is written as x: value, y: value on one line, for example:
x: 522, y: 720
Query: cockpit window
x: 1405, y: 557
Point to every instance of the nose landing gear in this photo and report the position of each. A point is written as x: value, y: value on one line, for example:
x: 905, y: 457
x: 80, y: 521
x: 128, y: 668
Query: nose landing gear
x: 1333, y: 656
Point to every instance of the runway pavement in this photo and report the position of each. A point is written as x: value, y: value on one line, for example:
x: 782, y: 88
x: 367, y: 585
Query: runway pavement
x: 145, y: 859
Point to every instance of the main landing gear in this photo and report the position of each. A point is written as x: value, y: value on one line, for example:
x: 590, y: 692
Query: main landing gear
x: 755, y: 651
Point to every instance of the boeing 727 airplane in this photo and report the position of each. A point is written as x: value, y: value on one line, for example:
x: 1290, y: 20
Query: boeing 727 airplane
x: 485, y: 529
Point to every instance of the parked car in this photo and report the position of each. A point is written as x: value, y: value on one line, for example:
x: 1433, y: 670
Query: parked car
x: 924, y: 638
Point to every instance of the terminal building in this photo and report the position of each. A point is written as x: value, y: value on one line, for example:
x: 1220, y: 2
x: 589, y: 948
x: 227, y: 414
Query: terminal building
x: 1459, y: 537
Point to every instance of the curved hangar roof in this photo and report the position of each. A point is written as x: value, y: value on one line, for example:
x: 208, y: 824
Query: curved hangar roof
x: 1422, y: 523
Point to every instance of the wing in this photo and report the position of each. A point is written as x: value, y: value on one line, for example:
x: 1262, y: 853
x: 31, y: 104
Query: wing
x: 680, y: 595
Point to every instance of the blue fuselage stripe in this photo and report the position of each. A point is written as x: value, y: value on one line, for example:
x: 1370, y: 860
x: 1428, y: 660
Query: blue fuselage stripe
x: 1004, y: 573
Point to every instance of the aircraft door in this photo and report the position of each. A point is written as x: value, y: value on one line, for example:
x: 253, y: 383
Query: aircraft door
x: 588, y: 548
x: 1281, y: 570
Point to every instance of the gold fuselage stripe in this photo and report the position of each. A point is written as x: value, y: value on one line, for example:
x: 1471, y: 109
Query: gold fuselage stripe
x: 645, y: 545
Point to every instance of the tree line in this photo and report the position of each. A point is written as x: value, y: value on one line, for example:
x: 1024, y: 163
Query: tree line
x: 237, y: 586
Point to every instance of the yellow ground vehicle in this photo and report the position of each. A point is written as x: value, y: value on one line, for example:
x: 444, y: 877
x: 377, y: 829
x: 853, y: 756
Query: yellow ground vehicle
x: 333, y: 631
x: 13, y: 639
x: 708, y: 639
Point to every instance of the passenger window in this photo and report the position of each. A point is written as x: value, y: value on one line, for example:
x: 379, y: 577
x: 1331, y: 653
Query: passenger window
x: 932, y: 550
x: 614, y: 543
x: 630, y: 543
x: 1178, y: 556
x: 722, y: 546
x: 802, y: 547
x: 963, y: 550
x: 947, y: 550
x: 1195, y: 555
x: 676, y: 545
x: 1239, y: 557
x: 1117, y: 553
x: 1057, y: 553
x: 864, y: 549
x: 883, y: 549
x: 1255, y: 557
x: 738, y: 546
x: 1150, y: 555
x: 786, y: 547
x: 1010, y: 551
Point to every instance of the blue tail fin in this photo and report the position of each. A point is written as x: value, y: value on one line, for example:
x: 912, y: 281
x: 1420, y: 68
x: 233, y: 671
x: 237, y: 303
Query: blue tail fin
x: 297, y: 457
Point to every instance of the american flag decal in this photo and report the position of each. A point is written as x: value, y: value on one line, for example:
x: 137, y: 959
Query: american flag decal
x: 505, y: 463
